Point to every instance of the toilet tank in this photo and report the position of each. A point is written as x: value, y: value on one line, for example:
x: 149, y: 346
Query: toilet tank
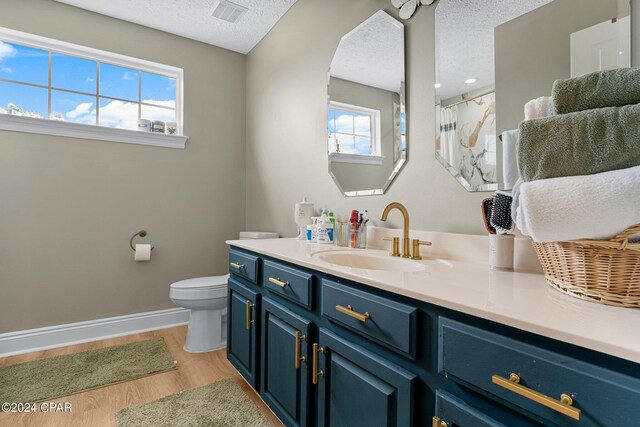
x: 245, y: 235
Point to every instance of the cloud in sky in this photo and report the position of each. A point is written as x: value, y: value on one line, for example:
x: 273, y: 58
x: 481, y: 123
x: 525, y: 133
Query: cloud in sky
x: 7, y: 51
x: 80, y: 110
x: 130, y: 75
x: 119, y: 114
x: 345, y: 123
x: 6, y: 69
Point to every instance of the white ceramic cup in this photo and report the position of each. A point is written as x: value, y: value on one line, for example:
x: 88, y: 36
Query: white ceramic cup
x: 501, y: 251
x: 144, y: 125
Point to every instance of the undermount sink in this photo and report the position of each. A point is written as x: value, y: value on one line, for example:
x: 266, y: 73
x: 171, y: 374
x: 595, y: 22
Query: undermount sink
x: 369, y: 261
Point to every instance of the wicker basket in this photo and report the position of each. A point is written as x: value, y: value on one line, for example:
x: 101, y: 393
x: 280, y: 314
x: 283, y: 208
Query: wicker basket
x: 603, y: 271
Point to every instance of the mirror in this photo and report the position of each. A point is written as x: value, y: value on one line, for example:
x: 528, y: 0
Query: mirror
x: 492, y: 57
x: 367, y: 145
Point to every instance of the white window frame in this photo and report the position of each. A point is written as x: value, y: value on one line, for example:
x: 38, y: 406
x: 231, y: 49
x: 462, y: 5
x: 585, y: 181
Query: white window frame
x: 376, y: 157
x: 76, y: 130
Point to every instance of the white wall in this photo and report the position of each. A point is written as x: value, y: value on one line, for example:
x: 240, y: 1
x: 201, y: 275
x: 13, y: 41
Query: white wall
x: 286, y: 124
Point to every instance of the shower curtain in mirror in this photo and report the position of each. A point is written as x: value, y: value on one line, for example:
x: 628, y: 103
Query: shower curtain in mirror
x: 449, y: 134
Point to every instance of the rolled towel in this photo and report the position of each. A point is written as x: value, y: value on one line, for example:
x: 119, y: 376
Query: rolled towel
x: 510, y: 173
x: 580, y: 207
x: 581, y: 143
x: 539, y: 108
x: 613, y: 88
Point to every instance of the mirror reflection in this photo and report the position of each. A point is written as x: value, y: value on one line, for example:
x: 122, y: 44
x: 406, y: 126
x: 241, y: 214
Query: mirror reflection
x: 494, y: 57
x: 366, y: 113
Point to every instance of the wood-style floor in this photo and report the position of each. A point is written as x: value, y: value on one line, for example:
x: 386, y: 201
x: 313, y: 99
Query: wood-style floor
x: 98, y: 407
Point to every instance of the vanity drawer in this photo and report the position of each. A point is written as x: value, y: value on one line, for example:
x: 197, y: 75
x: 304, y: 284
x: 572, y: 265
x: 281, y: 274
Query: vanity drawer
x: 244, y: 265
x: 385, y: 321
x: 295, y: 285
x: 491, y: 362
x: 456, y: 412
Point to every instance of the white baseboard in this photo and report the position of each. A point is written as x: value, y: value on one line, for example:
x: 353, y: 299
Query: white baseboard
x: 20, y: 342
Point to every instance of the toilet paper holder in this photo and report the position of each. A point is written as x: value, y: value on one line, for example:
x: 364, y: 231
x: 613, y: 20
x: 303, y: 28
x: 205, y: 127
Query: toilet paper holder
x: 141, y: 233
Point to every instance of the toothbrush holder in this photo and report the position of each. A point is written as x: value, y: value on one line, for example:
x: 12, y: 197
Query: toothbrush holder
x: 357, y: 235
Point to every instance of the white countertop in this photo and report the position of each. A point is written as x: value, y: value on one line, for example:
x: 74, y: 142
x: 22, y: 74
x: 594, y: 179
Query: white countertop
x: 520, y: 300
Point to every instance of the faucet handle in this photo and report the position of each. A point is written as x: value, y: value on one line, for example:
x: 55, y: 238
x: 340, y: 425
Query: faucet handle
x: 416, y: 248
x: 396, y: 245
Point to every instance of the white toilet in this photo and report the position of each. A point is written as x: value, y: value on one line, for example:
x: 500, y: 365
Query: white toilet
x: 206, y: 297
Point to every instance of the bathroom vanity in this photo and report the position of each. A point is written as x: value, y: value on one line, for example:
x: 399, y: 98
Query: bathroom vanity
x: 435, y: 342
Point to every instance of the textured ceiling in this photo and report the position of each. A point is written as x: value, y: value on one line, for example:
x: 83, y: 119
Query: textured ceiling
x: 372, y: 54
x: 464, y: 40
x: 192, y: 19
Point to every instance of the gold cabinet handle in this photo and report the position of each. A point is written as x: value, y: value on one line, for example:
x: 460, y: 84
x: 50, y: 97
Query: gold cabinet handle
x: 236, y: 265
x: 299, y: 358
x: 277, y: 281
x: 315, y: 374
x: 348, y: 310
x: 437, y: 422
x: 248, y: 313
x: 563, y: 405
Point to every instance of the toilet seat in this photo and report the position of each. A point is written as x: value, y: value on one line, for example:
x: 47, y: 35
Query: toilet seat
x: 200, y: 288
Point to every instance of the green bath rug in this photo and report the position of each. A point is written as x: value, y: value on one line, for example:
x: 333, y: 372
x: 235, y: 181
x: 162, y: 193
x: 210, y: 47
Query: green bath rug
x: 60, y: 376
x: 222, y: 403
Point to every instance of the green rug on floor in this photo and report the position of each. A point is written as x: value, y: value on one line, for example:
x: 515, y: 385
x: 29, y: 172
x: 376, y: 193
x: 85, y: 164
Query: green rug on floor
x: 219, y: 404
x: 60, y: 376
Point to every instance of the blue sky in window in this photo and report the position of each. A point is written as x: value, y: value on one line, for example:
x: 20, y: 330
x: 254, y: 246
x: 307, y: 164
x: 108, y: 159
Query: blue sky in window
x: 30, y: 65
x: 68, y: 72
x: 119, y: 82
x: 24, y: 64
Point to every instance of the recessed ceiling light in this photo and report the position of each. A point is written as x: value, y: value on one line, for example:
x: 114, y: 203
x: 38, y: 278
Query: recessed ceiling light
x: 437, y: 85
x: 470, y: 81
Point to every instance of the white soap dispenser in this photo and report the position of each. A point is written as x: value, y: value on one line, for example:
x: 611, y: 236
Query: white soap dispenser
x: 302, y: 215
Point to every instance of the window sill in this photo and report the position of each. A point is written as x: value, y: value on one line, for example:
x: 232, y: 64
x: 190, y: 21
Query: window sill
x: 75, y: 130
x: 355, y: 158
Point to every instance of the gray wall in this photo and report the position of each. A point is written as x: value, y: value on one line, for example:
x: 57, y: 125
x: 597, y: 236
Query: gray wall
x: 357, y: 177
x: 534, y: 50
x: 286, y: 124
x: 635, y: 33
x: 68, y: 206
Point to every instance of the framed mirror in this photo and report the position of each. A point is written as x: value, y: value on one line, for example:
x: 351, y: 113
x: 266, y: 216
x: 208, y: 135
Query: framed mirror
x: 366, y: 120
x: 492, y: 57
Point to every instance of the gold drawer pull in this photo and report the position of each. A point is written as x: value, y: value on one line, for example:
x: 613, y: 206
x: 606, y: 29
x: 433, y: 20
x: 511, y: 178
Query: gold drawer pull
x: 236, y: 265
x: 314, y: 364
x: 277, y: 281
x: 348, y: 310
x: 437, y: 422
x: 563, y: 405
x: 248, y: 313
x: 299, y: 358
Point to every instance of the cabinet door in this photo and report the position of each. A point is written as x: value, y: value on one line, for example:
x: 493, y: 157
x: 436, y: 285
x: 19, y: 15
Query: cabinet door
x: 284, y: 383
x: 451, y: 411
x: 359, y: 388
x: 243, y: 314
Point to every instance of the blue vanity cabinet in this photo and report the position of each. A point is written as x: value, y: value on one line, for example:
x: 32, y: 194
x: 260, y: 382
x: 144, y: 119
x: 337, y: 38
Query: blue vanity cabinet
x: 284, y: 383
x: 243, y: 313
x: 373, y: 358
x: 358, y: 388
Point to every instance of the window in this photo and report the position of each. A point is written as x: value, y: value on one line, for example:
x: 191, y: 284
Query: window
x: 353, y: 130
x: 59, y: 82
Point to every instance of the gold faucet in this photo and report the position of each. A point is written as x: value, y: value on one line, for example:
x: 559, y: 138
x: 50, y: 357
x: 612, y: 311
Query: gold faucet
x: 406, y: 252
x: 405, y: 228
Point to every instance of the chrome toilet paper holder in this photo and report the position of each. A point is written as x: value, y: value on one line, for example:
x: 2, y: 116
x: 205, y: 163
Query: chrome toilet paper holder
x: 141, y: 233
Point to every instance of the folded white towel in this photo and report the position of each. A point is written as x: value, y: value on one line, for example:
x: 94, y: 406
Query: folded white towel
x: 510, y: 172
x: 596, y: 206
x: 539, y: 108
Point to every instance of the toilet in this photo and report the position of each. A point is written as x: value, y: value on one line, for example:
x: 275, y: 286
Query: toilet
x: 206, y: 297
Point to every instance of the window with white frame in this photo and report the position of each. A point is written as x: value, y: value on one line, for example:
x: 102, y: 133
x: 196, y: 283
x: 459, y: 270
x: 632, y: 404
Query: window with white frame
x: 353, y: 130
x: 58, y: 81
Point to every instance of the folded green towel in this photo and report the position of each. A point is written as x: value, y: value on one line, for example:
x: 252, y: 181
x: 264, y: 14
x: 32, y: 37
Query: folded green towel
x: 581, y: 143
x: 613, y: 88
